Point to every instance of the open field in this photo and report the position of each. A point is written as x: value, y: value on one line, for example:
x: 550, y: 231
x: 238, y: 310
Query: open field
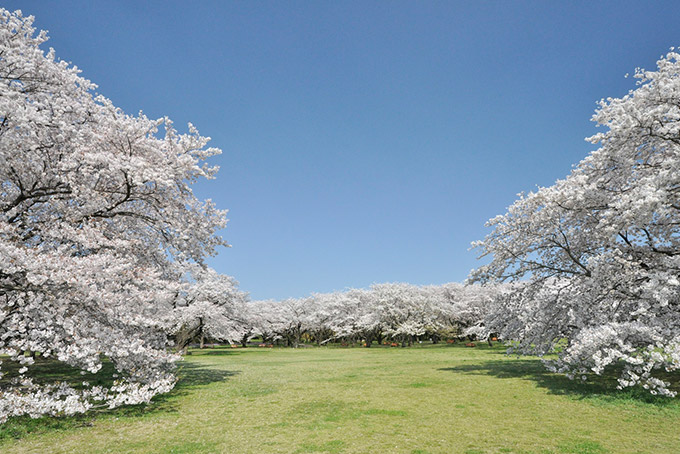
x: 425, y: 399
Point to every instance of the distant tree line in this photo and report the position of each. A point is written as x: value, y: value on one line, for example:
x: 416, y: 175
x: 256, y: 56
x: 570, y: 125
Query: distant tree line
x: 211, y: 309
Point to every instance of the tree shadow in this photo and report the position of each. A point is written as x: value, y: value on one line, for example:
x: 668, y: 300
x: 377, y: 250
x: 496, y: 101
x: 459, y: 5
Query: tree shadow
x: 217, y: 352
x: 596, y: 388
x: 48, y: 370
x: 190, y: 376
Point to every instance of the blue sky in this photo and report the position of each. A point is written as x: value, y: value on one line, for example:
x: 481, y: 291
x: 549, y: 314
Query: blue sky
x: 364, y: 141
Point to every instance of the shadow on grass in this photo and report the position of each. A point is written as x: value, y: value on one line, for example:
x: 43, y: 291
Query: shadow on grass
x: 217, y: 352
x: 596, y: 388
x: 190, y: 375
x: 230, y: 351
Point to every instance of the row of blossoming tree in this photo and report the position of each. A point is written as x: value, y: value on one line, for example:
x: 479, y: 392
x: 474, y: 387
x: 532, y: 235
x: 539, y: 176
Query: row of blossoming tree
x: 598, y: 253
x: 395, y: 312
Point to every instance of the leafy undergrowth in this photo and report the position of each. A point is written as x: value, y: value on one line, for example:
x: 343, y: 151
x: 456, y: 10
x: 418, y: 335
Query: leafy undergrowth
x: 426, y: 399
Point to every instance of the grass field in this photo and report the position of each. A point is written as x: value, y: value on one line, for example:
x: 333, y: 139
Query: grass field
x: 429, y: 399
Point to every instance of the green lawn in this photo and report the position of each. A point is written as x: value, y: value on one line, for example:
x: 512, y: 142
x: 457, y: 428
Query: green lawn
x: 429, y: 399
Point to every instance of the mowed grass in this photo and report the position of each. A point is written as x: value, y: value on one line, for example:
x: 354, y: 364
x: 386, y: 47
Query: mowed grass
x: 425, y: 399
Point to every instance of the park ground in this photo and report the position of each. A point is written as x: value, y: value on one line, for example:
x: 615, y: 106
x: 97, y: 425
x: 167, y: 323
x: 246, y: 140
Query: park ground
x: 419, y: 400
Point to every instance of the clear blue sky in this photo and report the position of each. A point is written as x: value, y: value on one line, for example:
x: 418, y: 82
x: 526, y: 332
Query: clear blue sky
x: 364, y: 141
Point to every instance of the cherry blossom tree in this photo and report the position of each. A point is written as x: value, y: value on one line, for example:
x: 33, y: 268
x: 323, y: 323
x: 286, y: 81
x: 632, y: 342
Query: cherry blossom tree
x: 265, y: 319
x: 295, y: 319
x: 97, y: 217
x: 598, y: 253
x: 210, y: 306
x: 404, y: 310
x: 361, y: 317
x: 324, y: 309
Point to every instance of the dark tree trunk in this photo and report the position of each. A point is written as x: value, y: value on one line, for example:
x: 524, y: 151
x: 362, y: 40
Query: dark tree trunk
x: 202, y: 341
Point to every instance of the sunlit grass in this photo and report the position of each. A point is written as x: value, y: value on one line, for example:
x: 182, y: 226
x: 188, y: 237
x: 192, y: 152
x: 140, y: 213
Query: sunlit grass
x: 425, y: 399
